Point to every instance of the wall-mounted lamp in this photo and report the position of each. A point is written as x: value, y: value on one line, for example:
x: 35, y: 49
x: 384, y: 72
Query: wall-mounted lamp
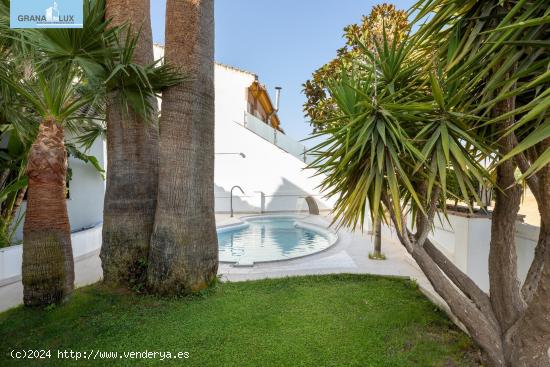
x: 240, y: 153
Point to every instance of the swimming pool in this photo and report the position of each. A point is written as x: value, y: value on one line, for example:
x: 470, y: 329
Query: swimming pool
x: 271, y: 238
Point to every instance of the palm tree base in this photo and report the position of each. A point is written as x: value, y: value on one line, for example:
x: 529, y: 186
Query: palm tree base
x: 48, y: 273
x: 124, y: 248
x: 181, y: 266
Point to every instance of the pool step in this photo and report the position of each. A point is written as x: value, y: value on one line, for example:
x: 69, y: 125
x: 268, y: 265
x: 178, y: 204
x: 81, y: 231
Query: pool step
x: 244, y: 264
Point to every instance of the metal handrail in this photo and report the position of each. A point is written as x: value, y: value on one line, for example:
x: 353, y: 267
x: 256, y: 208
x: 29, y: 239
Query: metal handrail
x: 231, y: 197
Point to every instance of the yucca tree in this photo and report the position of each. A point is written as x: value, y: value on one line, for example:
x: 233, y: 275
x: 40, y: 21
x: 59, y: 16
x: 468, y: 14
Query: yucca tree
x: 132, y: 161
x: 70, y: 73
x: 184, y: 246
x: 507, y: 63
x: 470, y: 85
x: 382, y: 18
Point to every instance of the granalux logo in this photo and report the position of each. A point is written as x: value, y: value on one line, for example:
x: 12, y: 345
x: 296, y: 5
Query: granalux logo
x: 46, y: 14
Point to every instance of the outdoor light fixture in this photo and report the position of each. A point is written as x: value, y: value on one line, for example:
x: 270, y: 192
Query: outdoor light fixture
x: 240, y: 153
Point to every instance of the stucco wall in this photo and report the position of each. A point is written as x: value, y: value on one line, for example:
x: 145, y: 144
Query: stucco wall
x: 465, y: 241
x: 272, y: 179
x: 84, y: 244
x: 267, y: 169
x: 468, y: 239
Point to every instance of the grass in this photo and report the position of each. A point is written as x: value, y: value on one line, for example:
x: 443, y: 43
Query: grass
x: 337, y: 320
x: 374, y: 256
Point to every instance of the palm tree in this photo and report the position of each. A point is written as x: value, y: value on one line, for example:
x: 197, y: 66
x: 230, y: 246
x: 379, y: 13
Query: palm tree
x: 132, y: 162
x: 184, y: 248
x: 71, y: 71
x: 47, y: 92
x: 48, y: 271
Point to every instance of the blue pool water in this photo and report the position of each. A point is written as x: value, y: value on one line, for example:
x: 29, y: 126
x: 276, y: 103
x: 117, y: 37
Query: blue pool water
x: 268, y: 239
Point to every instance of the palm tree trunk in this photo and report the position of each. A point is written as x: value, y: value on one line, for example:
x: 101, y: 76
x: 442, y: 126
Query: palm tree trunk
x: 184, y: 246
x: 132, y: 164
x: 48, y: 269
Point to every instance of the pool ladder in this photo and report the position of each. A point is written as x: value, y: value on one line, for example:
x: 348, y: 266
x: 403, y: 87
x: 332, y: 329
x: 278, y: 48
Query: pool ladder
x: 231, y: 197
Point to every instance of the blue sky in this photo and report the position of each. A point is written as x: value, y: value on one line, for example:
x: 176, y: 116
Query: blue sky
x: 282, y: 41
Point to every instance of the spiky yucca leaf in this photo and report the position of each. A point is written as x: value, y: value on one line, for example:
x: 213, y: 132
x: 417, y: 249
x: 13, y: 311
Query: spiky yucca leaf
x: 497, y: 51
x: 396, y: 132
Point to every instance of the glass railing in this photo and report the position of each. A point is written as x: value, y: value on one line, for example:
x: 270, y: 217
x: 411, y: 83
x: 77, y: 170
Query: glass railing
x: 276, y: 137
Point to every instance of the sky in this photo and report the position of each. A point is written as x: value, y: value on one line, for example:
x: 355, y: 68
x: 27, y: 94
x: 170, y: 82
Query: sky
x: 282, y: 41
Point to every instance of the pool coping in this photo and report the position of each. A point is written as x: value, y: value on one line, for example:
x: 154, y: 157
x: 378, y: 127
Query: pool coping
x: 331, y: 234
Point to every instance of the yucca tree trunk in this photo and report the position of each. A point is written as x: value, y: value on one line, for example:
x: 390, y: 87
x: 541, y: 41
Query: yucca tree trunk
x: 48, y: 269
x: 530, y: 336
x: 184, y: 247
x: 377, y: 238
x: 505, y: 291
x: 132, y: 164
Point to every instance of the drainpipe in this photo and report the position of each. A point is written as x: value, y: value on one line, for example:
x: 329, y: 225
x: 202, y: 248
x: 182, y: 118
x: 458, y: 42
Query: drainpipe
x: 277, y: 98
x: 277, y: 101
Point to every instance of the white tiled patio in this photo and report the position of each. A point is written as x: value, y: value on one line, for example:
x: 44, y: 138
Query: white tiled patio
x: 348, y: 255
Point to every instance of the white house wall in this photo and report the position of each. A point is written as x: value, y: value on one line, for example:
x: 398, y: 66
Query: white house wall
x: 273, y: 180
x: 267, y: 174
x: 465, y: 240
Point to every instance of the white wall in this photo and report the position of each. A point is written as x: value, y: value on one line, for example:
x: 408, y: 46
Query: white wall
x: 84, y: 244
x: 272, y: 179
x: 267, y: 169
x: 468, y: 239
x: 87, y: 189
x: 526, y: 241
x: 465, y: 241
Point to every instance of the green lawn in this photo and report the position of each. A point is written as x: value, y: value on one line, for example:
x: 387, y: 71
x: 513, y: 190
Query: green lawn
x: 344, y: 320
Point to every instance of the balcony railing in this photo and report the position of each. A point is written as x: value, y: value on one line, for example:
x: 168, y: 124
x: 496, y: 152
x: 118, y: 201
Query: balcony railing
x: 276, y: 137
